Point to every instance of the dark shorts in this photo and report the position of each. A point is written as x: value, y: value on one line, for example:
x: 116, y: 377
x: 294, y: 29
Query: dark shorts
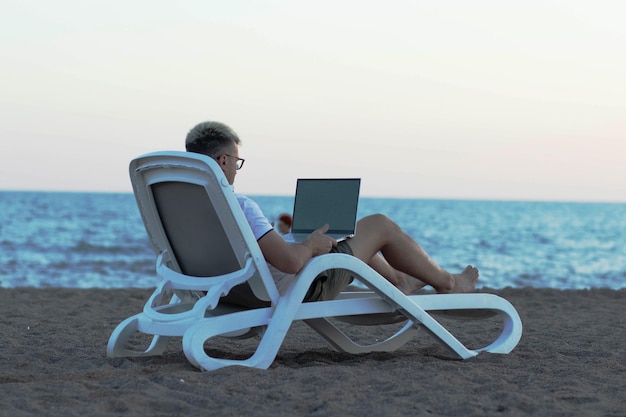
x: 331, y: 282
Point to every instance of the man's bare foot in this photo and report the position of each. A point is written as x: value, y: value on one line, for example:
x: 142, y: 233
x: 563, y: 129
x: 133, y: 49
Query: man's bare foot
x: 464, y: 282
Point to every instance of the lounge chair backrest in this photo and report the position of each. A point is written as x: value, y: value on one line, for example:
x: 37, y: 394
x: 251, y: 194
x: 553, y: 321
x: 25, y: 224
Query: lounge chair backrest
x: 191, y: 214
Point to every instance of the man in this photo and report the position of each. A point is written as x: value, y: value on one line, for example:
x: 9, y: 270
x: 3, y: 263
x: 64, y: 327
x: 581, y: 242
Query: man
x: 378, y: 240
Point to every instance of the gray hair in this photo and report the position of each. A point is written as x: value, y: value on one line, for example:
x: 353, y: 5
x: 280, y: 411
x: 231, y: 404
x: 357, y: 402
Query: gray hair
x: 210, y: 138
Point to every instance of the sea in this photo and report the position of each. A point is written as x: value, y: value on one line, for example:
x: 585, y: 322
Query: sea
x: 97, y: 240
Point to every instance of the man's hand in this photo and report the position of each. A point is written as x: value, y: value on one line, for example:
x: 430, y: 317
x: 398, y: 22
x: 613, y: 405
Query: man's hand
x: 319, y: 242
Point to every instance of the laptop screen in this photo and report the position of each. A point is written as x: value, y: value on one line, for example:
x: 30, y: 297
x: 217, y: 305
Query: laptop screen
x: 320, y: 201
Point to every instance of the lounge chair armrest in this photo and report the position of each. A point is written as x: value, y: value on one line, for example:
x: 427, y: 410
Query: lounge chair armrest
x: 215, y: 288
x: 181, y: 281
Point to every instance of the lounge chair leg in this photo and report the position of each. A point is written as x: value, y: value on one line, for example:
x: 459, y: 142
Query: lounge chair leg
x: 195, y: 337
x: 116, y: 348
x: 340, y: 341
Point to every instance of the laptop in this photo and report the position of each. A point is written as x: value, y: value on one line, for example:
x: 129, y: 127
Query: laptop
x: 321, y: 201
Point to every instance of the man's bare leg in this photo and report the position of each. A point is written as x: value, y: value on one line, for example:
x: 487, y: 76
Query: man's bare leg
x: 377, y: 233
x: 404, y: 282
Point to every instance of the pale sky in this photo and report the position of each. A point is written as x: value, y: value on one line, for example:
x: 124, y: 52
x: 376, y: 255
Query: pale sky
x: 421, y: 99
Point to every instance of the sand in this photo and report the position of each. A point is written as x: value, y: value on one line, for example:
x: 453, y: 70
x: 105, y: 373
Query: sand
x: 570, y: 362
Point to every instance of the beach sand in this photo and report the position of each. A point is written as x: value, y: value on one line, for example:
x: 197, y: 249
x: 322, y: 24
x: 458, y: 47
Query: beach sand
x: 570, y: 362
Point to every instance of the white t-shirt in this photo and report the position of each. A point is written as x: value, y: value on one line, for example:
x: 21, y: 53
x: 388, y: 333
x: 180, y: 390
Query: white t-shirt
x: 260, y: 227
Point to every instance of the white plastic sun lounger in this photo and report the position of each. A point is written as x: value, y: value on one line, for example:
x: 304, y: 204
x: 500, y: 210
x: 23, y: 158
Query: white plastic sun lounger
x: 205, y: 251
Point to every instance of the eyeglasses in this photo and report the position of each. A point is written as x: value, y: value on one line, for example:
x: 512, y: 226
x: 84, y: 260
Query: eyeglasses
x: 239, y: 162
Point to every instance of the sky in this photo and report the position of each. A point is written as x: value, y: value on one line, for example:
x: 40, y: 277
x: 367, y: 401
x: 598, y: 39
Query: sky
x: 498, y: 100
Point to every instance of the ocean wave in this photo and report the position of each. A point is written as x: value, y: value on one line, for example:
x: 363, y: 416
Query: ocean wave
x: 85, y: 247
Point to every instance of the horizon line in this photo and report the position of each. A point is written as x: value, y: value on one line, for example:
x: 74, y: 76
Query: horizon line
x: 365, y: 196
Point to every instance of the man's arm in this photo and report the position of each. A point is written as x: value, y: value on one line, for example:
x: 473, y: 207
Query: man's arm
x: 290, y: 257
